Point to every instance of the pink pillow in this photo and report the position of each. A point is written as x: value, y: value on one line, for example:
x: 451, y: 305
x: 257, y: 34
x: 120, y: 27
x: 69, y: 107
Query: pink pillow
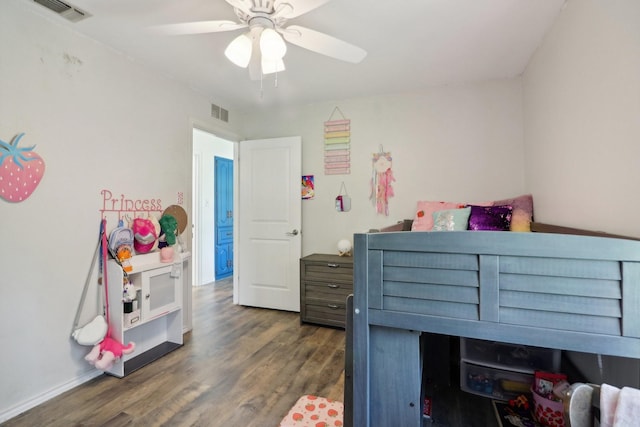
x: 423, y: 220
x: 522, y: 214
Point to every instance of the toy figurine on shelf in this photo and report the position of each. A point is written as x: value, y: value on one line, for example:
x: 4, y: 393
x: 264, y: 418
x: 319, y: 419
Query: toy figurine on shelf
x: 520, y: 403
x: 167, y: 239
x: 169, y: 229
x: 121, y: 245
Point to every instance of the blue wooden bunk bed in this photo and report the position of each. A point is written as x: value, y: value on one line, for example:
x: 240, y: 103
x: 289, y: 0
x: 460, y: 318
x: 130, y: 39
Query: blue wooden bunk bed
x: 564, y: 291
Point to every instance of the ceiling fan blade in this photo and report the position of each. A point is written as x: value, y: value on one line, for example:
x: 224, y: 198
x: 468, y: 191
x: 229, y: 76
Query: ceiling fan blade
x: 292, y: 8
x: 240, y: 4
x: 323, y: 43
x: 199, y: 27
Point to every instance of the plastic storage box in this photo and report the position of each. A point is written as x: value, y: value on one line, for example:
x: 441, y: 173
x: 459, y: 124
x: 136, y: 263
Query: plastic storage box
x: 509, y: 356
x: 494, y: 383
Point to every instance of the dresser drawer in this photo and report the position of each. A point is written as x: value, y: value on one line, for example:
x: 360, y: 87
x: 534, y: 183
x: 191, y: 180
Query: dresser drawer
x: 329, y: 271
x: 331, y: 313
x: 325, y: 282
x: 329, y: 291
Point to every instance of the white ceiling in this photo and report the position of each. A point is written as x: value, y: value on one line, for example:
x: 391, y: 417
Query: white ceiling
x: 411, y: 44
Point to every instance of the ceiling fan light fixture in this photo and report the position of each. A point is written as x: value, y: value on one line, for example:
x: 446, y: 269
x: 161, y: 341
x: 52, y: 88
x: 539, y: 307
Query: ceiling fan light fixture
x: 239, y: 51
x: 272, y: 46
x: 270, y: 66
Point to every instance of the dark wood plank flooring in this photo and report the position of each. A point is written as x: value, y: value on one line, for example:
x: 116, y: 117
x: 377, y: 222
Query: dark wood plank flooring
x: 239, y: 367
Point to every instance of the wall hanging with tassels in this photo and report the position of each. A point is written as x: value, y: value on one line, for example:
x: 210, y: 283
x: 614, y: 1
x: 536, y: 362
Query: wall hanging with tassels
x: 381, y: 179
x: 337, y: 140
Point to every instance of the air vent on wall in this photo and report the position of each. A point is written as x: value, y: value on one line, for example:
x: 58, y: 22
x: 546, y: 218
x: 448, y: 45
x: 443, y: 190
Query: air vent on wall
x: 65, y: 10
x: 219, y: 113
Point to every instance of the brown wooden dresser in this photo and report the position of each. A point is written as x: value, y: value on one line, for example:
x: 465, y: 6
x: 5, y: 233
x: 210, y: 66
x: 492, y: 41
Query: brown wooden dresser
x: 325, y: 282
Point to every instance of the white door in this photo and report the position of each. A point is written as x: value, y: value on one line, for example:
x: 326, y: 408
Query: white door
x: 269, y: 223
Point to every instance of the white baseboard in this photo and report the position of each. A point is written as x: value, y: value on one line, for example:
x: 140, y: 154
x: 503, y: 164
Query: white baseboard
x: 18, y: 409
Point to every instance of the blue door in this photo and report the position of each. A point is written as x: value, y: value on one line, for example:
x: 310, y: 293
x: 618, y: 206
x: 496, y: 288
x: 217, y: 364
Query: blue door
x: 223, y: 194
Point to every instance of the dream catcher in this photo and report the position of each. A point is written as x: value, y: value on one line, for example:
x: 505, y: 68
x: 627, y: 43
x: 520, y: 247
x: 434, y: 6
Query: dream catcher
x: 381, y: 179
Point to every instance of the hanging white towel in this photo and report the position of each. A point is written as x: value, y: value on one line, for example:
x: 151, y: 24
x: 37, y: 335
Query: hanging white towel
x: 628, y: 409
x: 619, y: 407
x: 608, y: 403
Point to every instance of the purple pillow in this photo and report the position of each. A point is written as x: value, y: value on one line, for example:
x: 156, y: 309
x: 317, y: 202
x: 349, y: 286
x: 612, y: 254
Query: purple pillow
x: 494, y: 218
x: 522, y: 211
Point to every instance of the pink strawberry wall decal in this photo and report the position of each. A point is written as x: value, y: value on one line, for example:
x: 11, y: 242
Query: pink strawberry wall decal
x: 21, y: 170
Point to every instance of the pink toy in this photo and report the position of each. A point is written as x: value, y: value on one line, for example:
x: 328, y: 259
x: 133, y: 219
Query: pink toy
x: 107, y: 352
x: 104, y: 354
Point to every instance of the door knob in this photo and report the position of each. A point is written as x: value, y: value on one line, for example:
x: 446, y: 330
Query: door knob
x: 292, y: 233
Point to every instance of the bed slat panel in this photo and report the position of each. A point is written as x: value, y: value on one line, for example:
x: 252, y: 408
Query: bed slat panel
x: 561, y: 267
x: 565, y: 303
x: 560, y: 321
x: 423, y: 291
x: 561, y: 285
x: 432, y: 308
x: 431, y: 260
x: 433, y: 276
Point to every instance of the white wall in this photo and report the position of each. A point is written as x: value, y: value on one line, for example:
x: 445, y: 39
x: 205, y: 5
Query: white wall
x: 103, y: 122
x: 462, y: 143
x: 100, y: 122
x: 582, y: 118
x: 582, y: 133
x: 206, y: 147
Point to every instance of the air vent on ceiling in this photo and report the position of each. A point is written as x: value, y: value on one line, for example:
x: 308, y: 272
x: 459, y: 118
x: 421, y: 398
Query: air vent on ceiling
x: 65, y: 10
x: 219, y: 113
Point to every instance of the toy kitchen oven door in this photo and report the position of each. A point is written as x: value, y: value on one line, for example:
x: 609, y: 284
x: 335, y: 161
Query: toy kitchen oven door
x: 160, y: 290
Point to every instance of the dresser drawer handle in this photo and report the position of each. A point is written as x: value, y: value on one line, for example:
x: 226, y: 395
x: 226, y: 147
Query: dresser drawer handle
x: 332, y: 286
x: 333, y: 265
x: 333, y: 306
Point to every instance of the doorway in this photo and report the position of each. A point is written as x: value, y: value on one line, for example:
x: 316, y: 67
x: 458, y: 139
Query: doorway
x: 206, y: 147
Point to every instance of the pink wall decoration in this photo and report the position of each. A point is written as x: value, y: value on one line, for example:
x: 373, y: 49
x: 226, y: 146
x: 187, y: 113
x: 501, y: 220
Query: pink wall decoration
x: 337, y: 138
x: 381, y: 179
x: 21, y: 170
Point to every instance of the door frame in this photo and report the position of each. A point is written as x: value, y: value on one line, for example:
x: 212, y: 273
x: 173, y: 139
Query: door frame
x: 196, y: 193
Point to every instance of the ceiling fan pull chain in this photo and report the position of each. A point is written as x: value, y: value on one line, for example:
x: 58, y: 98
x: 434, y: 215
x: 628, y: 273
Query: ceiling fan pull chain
x: 261, y: 90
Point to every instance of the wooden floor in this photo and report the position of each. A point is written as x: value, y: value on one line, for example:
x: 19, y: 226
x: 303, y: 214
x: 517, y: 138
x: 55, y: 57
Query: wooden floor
x: 239, y: 367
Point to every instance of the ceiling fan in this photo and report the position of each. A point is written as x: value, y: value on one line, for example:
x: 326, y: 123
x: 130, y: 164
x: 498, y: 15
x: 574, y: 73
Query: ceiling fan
x: 262, y: 47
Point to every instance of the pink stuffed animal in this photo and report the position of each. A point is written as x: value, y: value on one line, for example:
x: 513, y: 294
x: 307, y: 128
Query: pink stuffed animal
x: 107, y: 352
